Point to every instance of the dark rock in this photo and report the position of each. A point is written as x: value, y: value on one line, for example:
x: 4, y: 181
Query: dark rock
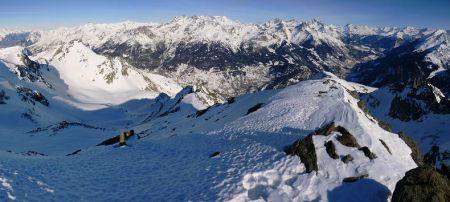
x: 346, y: 138
x: 33, y: 153
x: 201, y: 112
x: 75, y: 152
x: 216, y: 153
x: 331, y: 150
x: 362, y: 106
x: 368, y: 153
x: 385, y: 146
x: 416, y: 155
x: 325, y: 130
x: 354, y: 94
x: 401, y: 64
x: 231, y: 100
x: 254, y: 108
x: 63, y: 125
x: 384, y: 125
x: 355, y: 178
x: 3, y: 97
x: 347, y: 158
x: 31, y: 96
x: 423, y: 183
x: 305, y: 149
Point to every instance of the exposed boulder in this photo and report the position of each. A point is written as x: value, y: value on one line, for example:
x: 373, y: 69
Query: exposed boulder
x: 305, y: 149
x: 326, y: 130
x: 230, y: 100
x: 331, y: 150
x: 423, y: 183
x: 347, y: 158
x: 254, y: 108
x: 214, y: 154
x: 346, y: 138
x: 368, y: 153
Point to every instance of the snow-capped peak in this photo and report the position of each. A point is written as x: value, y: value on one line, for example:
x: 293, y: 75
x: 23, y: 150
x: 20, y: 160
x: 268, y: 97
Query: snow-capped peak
x: 434, y: 39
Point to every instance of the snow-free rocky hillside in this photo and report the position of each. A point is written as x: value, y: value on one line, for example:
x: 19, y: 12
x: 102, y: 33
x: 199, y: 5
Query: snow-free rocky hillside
x: 233, y: 151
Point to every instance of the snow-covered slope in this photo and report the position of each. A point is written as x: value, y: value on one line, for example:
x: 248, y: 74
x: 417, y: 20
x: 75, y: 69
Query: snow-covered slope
x: 88, y: 80
x: 232, y: 151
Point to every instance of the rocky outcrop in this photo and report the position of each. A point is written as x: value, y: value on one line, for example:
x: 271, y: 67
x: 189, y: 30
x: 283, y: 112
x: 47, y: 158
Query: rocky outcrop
x: 326, y: 130
x: 385, y: 146
x: 423, y: 183
x: 369, y: 154
x: 305, y: 149
x: 3, y: 97
x: 254, y: 108
x: 346, y: 138
x: 331, y: 150
x: 28, y: 95
x: 347, y: 158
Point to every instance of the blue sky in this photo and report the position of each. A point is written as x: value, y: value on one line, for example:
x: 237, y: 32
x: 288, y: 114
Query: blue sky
x: 34, y: 14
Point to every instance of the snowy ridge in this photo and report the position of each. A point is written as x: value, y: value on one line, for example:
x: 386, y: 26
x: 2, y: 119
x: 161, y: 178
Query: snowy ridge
x: 307, y: 113
x: 250, y: 164
x: 214, y: 28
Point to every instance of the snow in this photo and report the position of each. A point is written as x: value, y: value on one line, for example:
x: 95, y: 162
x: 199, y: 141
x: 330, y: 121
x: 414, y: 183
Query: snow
x: 11, y: 54
x: 111, y: 81
x: 307, y: 116
x: 171, y: 161
x: 186, y: 29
